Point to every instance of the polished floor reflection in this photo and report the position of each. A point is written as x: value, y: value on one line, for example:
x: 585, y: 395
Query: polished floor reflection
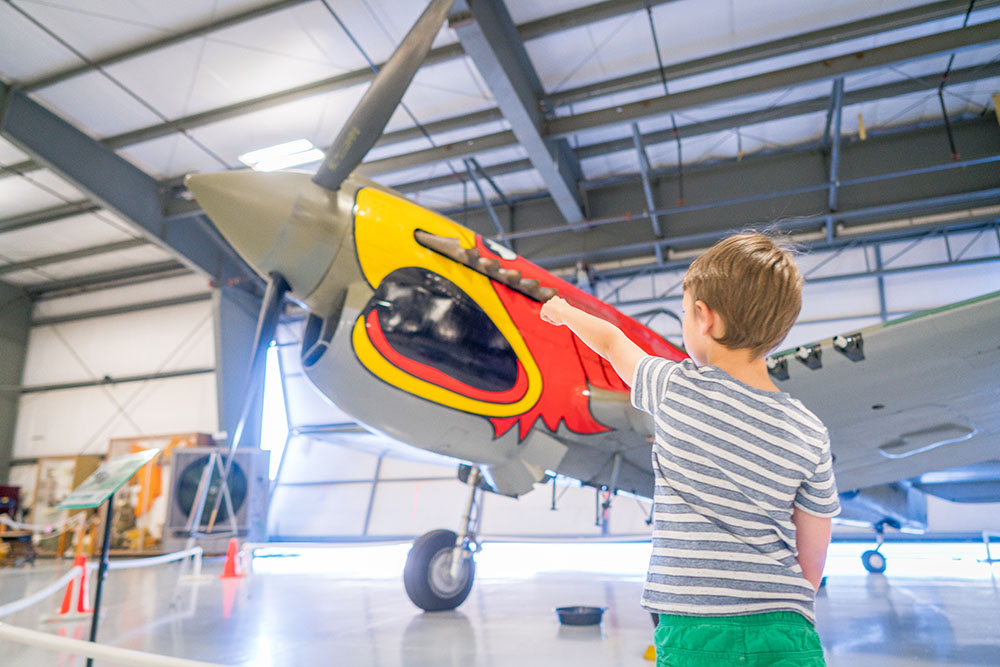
x: 936, y: 605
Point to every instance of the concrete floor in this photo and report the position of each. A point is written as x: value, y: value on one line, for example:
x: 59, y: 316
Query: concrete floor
x: 346, y: 606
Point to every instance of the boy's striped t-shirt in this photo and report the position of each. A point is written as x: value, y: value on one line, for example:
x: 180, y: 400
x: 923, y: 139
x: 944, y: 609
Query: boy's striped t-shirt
x: 731, y: 462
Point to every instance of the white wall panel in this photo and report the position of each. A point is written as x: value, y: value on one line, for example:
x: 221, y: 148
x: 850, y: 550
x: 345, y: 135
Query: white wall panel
x: 121, y: 296
x: 309, y: 460
x: 840, y: 298
x: 946, y: 516
x: 575, y: 513
x: 75, y: 421
x: 929, y: 289
x: 413, y: 508
x: 319, y: 511
x: 153, y: 341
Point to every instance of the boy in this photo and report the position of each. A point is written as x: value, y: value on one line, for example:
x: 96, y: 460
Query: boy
x: 744, y: 483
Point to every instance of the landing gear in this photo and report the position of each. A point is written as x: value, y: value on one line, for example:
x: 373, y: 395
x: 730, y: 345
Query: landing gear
x: 440, y: 568
x: 873, y: 561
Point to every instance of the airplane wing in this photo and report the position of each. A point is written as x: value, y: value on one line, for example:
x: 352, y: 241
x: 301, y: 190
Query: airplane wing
x: 924, y: 397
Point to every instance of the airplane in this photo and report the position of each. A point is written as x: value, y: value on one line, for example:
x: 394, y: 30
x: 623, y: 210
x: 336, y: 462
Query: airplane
x: 428, y: 332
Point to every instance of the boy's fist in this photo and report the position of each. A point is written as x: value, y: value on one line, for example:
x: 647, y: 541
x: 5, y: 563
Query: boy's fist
x: 552, y: 311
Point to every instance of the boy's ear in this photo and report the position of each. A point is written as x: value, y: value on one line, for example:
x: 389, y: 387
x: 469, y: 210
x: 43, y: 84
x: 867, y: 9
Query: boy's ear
x: 709, y: 322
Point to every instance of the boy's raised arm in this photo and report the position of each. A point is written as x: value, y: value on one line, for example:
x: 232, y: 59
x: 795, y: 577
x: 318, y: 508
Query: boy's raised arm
x: 600, y: 335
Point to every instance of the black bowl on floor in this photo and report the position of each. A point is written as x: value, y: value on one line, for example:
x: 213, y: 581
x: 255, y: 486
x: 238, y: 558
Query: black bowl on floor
x: 580, y: 615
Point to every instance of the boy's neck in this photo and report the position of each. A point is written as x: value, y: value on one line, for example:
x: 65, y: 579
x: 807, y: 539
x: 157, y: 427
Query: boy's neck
x: 740, y: 364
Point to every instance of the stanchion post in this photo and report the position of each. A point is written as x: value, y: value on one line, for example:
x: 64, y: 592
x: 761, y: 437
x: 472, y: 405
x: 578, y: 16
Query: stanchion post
x: 102, y: 572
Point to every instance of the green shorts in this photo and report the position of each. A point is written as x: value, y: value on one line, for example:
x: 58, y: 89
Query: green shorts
x: 777, y: 639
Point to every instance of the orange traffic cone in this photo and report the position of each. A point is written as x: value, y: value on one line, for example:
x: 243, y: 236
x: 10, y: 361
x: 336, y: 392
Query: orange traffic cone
x: 83, y: 595
x: 232, y: 568
x: 83, y: 600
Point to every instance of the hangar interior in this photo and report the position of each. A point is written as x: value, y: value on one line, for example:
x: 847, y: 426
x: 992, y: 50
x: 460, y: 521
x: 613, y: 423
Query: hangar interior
x: 607, y: 142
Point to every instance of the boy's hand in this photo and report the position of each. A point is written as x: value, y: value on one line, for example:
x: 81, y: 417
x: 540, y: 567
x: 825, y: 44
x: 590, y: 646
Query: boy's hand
x: 552, y: 311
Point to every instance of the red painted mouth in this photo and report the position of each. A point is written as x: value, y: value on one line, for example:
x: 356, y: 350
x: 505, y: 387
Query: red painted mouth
x: 437, y: 377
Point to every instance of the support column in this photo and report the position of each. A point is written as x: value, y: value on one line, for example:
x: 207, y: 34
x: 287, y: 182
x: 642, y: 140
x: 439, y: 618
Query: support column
x: 15, y: 325
x: 235, y: 323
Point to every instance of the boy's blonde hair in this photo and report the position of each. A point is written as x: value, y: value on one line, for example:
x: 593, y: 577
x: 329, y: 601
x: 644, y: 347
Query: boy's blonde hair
x: 754, y: 285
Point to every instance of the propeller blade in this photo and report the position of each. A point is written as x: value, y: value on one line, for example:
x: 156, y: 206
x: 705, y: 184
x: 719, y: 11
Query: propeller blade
x: 267, y: 323
x: 365, y: 125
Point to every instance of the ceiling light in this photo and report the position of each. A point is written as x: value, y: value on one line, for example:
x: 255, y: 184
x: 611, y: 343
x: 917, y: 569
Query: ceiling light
x: 282, y: 156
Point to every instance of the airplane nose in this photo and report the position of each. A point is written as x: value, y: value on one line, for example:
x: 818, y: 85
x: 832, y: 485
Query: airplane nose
x: 278, y: 221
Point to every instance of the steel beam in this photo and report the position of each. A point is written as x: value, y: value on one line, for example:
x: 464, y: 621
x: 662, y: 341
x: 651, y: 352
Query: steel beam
x: 115, y: 278
x: 489, y: 37
x: 784, y: 46
x: 549, y: 25
x: 903, y: 87
x: 530, y: 30
x: 71, y: 255
x: 43, y: 216
x: 838, y: 107
x: 733, y: 194
x: 110, y: 180
x: 157, y: 44
x: 119, y: 310
x: 951, y: 41
x: 883, y: 313
x: 108, y: 380
x: 15, y: 315
x: 644, y: 168
x: 804, y: 224
x: 507, y: 139
x: 486, y: 202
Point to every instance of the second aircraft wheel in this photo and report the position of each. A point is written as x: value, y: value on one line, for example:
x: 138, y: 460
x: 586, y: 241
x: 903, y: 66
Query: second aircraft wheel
x: 873, y: 561
x: 427, y: 575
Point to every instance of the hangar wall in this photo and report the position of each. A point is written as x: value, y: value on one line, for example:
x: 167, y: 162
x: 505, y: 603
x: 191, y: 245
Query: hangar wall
x: 90, y: 376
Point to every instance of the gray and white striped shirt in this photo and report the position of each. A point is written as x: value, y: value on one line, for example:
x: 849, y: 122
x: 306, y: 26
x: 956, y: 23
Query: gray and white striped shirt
x: 730, y: 461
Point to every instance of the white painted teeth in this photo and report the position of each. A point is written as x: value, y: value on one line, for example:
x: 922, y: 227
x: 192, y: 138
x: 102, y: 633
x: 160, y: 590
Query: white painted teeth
x: 487, y: 265
x: 471, y: 257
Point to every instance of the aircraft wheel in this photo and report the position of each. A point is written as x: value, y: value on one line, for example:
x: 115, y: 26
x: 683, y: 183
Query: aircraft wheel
x: 427, y: 575
x: 873, y: 561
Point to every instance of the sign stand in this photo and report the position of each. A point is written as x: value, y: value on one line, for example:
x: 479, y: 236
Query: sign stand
x: 102, y: 572
x: 92, y: 492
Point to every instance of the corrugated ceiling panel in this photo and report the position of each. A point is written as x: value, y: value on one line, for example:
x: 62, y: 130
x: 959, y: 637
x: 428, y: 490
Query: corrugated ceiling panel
x: 454, y: 195
x: 594, y: 52
x: 444, y: 90
x: 529, y: 10
x: 99, y: 27
x: 276, y: 52
x: 98, y: 263
x: 96, y: 105
x: 25, y: 50
x: 38, y: 190
x: 65, y: 235
x: 10, y: 154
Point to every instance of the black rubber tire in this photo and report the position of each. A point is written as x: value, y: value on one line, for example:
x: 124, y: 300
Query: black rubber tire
x: 873, y: 561
x: 417, y: 573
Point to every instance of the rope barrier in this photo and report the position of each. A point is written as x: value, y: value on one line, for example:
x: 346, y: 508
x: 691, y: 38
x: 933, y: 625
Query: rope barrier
x: 113, y: 654
x: 38, y: 596
x: 134, y: 563
x: 55, y: 586
x: 47, y: 528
